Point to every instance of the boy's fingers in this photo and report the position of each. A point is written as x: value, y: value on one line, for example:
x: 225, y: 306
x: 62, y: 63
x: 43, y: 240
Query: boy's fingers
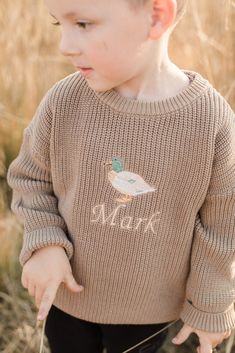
x: 206, y: 345
x: 227, y: 334
x: 31, y: 289
x: 24, y: 282
x: 71, y: 283
x: 47, y: 300
x: 38, y: 296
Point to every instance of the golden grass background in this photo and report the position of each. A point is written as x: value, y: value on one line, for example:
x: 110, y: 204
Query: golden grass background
x: 30, y: 63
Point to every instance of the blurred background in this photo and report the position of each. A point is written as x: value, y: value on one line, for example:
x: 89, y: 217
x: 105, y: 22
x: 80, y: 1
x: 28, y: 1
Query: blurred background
x: 30, y: 63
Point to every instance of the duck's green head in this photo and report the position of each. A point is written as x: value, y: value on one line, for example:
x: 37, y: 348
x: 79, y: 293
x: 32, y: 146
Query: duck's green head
x: 117, y: 164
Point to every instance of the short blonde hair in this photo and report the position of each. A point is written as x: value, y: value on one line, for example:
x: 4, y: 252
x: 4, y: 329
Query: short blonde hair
x: 181, y: 7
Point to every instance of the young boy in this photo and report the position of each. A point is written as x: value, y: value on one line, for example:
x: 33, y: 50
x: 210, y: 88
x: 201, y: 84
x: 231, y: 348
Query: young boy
x: 126, y: 183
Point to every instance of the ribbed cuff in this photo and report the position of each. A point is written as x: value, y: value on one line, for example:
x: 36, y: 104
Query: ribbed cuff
x: 212, y: 322
x: 40, y: 238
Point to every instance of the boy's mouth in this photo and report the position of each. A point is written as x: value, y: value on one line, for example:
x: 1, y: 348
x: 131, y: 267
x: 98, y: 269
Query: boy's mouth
x: 85, y: 70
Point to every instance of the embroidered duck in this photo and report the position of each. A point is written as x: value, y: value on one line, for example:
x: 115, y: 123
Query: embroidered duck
x: 128, y: 183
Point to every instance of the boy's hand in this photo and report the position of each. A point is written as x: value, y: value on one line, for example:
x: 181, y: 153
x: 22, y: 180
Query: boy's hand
x: 208, y: 340
x: 43, y: 273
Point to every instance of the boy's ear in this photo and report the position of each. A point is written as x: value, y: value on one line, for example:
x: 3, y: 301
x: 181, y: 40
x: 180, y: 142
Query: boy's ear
x: 163, y: 16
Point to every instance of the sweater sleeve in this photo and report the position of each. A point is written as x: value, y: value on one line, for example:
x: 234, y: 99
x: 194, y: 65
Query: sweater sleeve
x: 210, y: 289
x: 33, y: 199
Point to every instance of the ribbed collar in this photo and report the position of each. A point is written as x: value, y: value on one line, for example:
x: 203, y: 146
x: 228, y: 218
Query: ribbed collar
x: 120, y: 103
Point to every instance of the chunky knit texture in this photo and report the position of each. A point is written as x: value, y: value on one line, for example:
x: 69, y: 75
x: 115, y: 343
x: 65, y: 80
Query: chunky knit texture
x: 140, y: 194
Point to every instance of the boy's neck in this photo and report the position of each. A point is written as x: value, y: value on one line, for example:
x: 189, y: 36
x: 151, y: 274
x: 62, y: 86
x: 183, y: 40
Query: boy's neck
x: 165, y: 82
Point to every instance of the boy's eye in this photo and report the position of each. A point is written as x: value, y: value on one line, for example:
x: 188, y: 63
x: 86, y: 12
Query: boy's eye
x: 55, y: 23
x: 81, y: 24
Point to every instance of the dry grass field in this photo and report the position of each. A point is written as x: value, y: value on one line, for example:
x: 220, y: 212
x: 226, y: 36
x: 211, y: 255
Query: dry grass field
x: 30, y: 63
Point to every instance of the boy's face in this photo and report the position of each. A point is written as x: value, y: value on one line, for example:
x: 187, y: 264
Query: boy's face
x: 114, y: 43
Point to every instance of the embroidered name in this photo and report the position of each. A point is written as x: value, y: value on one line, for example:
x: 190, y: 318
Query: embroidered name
x: 126, y: 222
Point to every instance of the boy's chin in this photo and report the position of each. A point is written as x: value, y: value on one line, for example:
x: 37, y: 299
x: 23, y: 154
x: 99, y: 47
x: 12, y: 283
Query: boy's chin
x: 99, y: 86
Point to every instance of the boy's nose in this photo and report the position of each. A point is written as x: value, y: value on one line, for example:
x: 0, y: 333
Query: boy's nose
x: 66, y: 51
x: 69, y: 49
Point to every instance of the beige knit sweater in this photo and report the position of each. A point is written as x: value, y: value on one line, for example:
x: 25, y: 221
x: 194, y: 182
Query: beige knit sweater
x: 140, y: 194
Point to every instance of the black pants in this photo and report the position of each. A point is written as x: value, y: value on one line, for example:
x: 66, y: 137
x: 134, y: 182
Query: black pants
x: 68, y: 334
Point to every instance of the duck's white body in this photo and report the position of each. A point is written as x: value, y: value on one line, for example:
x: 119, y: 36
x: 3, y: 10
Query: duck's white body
x: 129, y: 183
